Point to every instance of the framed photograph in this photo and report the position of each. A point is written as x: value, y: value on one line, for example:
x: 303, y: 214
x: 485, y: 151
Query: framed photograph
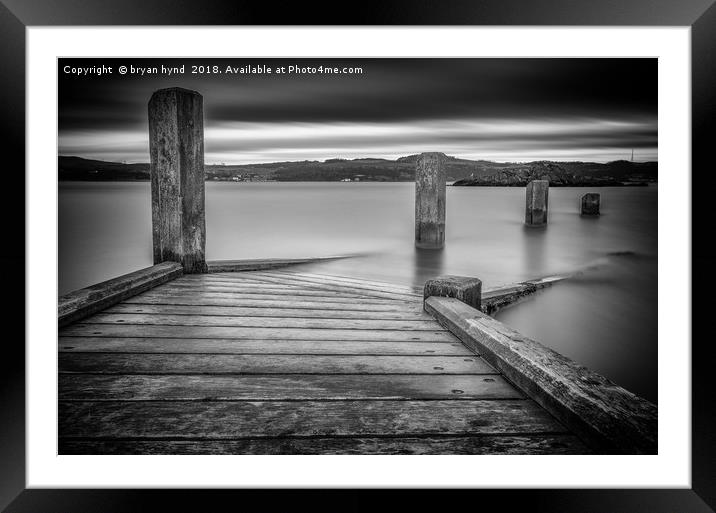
x: 424, y: 250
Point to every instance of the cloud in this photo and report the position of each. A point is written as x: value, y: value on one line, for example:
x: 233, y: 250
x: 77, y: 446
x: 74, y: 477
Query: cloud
x: 501, y: 139
x: 465, y: 107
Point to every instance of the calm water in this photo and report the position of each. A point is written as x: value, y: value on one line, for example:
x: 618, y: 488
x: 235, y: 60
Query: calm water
x: 605, y: 318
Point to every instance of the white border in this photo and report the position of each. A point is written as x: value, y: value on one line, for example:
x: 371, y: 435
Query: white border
x: 671, y: 468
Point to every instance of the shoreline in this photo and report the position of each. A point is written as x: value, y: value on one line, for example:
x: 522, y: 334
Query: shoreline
x: 635, y: 184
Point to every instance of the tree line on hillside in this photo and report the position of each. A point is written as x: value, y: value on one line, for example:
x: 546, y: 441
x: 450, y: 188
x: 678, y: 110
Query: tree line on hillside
x: 465, y: 172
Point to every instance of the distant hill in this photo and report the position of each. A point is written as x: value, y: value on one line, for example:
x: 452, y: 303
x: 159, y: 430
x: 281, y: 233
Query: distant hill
x: 464, y: 172
x: 567, y: 174
x: 77, y: 168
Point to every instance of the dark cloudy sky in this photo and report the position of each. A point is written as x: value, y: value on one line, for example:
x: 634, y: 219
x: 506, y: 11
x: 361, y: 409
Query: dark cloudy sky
x: 495, y: 109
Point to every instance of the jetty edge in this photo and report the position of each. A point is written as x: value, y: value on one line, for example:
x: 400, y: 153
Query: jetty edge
x: 496, y: 298
x: 84, y: 302
x: 222, y: 266
x: 81, y: 303
x: 604, y: 415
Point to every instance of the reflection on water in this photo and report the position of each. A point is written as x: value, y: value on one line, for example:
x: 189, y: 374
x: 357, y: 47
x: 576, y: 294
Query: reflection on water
x: 604, y: 319
x: 428, y: 263
x: 533, y: 242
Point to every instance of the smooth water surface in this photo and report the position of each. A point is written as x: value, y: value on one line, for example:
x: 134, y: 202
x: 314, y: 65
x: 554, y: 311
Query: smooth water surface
x: 605, y: 318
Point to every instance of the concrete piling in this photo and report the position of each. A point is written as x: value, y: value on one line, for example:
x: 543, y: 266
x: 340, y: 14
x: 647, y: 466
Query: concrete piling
x: 590, y: 204
x: 430, y: 201
x: 176, y: 147
x: 537, y: 193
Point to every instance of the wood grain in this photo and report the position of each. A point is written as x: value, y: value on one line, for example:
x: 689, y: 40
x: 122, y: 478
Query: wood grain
x: 259, y: 311
x: 264, y: 322
x: 322, y: 284
x: 198, y: 332
x: 357, y: 281
x: 233, y: 346
x: 273, y: 301
x: 285, y: 387
x: 242, y: 419
x: 469, y: 445
x: 328, y: 284
x: 259, y: 290
x: 104, y: 363
x: 176, y: 151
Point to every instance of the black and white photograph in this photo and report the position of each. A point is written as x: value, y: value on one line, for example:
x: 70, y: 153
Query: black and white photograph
x: 421, y: 256
x: 407, y: 252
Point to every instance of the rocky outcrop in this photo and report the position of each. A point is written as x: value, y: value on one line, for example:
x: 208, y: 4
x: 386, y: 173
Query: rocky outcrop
x: 520, y: 175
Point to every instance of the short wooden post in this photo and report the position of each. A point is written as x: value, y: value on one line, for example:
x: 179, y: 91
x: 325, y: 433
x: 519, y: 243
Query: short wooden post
x: 590, y: 204
x: 176, y: 147
x: 464, y: 288
x: 430, y: 201
x: 536, y: 205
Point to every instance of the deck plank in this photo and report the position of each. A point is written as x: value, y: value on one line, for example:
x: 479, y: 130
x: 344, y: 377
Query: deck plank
x: 270, y: 301
x: 207, y: 282
x: 258, y: 311
x: 282, y: 387
x: 195, y: 332
x: 323, y: 285
x: 359, y: 281
x: 234, y: 346
x: 468, y: 445
x: 188, y: 288
x: 235, y: 298
x: 304, y: 279
x: 103, y: 363
x: 241, y: 419
x: 263, y: 322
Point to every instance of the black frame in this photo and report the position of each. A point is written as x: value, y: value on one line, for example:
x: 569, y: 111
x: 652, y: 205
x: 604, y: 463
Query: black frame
x: 16, y: 15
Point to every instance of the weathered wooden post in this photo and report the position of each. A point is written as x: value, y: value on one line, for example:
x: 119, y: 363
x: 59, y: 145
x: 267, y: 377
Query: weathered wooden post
x: 463, y: 288
x: 590, y: 204
x: 536, y: 205
x: 176, y: 148
x: 430, y: 201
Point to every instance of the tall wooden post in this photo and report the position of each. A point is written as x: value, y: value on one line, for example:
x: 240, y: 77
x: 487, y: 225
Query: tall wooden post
x: 176, y: 147
x: 536, y: 202
x: 430, y: 201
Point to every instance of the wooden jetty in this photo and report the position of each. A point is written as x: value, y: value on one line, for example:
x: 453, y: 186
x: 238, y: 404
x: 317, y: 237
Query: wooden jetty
x: 278, y: 361
x: 248, y: 357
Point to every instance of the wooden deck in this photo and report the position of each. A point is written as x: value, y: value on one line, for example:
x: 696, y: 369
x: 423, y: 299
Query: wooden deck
x: 283, y: 362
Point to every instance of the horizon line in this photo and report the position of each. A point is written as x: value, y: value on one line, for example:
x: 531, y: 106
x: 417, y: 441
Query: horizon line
x: 498, y: 161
